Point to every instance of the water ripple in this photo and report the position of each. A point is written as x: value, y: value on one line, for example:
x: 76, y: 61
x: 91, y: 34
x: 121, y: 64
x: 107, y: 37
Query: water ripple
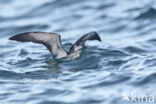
x: 124, y: 61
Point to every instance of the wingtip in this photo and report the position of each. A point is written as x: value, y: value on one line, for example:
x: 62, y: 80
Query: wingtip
x: 98, y: 37
x: 15, y: 37
x: 11, y: 38
x: 94, y: 36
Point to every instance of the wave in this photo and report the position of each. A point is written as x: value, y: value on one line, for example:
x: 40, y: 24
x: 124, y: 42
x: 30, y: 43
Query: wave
x: 4, y: 74
x: 134, y: 49
x: 140, y: 81
x: 149, y: 14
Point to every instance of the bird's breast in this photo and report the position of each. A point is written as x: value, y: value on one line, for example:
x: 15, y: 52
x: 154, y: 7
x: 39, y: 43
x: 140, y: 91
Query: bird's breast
x: 73, y: 55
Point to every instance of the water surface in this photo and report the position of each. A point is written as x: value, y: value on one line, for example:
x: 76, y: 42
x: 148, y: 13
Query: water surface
x: 123, y: 63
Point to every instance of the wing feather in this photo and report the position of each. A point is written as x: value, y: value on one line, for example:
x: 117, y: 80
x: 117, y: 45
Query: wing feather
x: 50, y: 40
x: 80, y: 43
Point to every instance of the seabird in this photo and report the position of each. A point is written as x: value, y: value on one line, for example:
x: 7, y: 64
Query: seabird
x: 53, y: 42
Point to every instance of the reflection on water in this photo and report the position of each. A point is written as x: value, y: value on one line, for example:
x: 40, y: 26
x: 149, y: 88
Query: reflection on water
x: 124, y: 62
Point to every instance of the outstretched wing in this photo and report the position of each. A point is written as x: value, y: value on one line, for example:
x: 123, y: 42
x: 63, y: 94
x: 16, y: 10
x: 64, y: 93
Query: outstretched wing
x: 80, y: 42
x: 50, y: 40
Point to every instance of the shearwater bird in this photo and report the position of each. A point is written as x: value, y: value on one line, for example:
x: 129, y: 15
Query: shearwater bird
x: 53, y: 42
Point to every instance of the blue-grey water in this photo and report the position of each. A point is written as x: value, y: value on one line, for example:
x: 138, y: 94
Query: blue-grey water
x: 124, y: 63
